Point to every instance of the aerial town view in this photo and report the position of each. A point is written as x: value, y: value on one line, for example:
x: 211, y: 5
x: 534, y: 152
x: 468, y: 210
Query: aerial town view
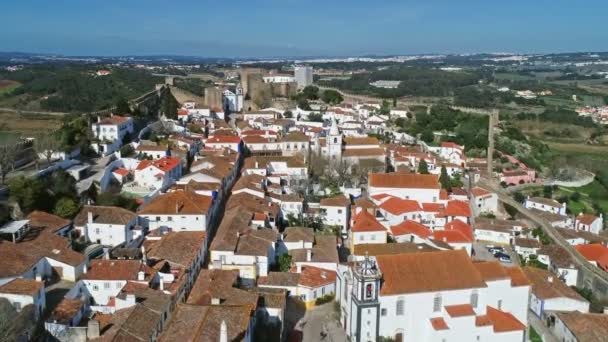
x: 390, y: 171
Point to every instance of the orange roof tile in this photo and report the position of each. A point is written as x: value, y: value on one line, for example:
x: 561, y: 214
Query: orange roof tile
x: 366, y: 222
x: 411, y: 227
x: 480, y: 192
x: 451, y: 236
x: 403, y: 180
x: 439, y: 323
x: 314, y: 277
x: 457, y: 225
x: 337, y: 201
x: 503, y: 321
x: 457, y: 208
x: 460, y: 310
x: 398, y: 206
x: 219, y: 139
x: 428, y: 272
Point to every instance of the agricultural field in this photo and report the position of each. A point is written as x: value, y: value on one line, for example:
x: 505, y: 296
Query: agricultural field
x: 13, y: 126
x: 6, y: 86
x: 581, y: 199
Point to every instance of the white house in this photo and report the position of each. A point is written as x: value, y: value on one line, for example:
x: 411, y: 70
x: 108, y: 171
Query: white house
x: 483, y: 201
x: 336, y: 212
x: 432, y: 296
x: 526, y: 247
x: 560, y: 263
x: 158, y: 174
x: 366, y: 229
x: 233, y: 101
x: 180, y: 210
x: 546, y: 204
x: 219, y: 142
x: 589, y: 223
x: 308, y: 283
x: 110, y: 131
x: 549, y: 293
x: 579, y: 326
x: 21, y: 292
x: 418, y: 187
x: 108, y: 226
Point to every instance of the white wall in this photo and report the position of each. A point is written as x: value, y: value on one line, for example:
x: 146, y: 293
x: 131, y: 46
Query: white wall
x: 175, y: 222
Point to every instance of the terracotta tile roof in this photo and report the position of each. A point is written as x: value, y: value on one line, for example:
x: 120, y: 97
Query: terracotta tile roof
x: 558, y: 255
x: 202, y: 323
x: 409, y: 180
x: 480, y: 192
x: 256, y: 242
x: 465, y: 229
x: 449, y: 144
x: 313, y: 277
x: 66, y: 310
x: 264, y: 162
x: 588, y: 327
x: 22, y: 286
x: 295, y: 137
x: 105, y: 215
x: 546, y: 201
x: 101, y: 269
x: 451, y: 236
x: 223, y: 139
x: 365, y: 203
x: 503, y: 321
x: 178, y: 202
x: 18, y: 258
x: 148, y: 148
x: 439, y: 323
x: 398, y: 206
x: 236, y: 220
x: 280, y: 279
x: 432, y: 207
x: 594, y: 252
x: 121, y: 171
x: 337, y: 201
x: 443, y: 195
x: 518, y: 277
x: 256, y: 139
x: 460, y: 310
x: 491, y: 270
x: 178, y: 248
x: 113, y: 120
x: 374, y: 249
x: 527, y: 243
x: 44, y: 220
x: 362, y: 152
x: 219, y: 284
x: 366, y: 222
x: 428, y: 272
x: 546, y: 285
x: 586, y: 219
x: 296, y: 234
x: 324, y: 250
x: 457, y: 208
x: 252, y: 181
x: 411, y: 227
x: 380, y: 197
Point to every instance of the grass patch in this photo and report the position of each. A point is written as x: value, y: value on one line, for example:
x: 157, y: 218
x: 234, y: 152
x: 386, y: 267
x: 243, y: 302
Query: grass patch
x: 7, y: 86
x: 534, y: 336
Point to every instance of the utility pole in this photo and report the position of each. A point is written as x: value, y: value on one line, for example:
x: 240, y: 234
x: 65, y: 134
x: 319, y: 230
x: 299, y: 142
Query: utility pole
x: 493, y: 119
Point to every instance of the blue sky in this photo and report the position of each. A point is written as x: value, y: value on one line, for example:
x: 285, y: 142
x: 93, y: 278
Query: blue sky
x: 255, y: 28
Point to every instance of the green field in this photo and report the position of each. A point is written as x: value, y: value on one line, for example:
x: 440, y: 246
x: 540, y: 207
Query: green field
x: 8, y: 86
x: 590, y: 194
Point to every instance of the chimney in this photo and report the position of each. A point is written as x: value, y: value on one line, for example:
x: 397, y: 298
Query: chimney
x: 98, y: 118
x: 144, y: 258
x: 90, y: 217
x: 177, y: 207
x: 161, y: 285
x: 215, y: 301
x: 299, y: 268
x: 257, y: 164
x: 38, y: 277
x: 141, y: 276
x: 309, y: 255
x: 605, y: 310
x: 550, y: 279
x: 106, y: 254
x: 92, y: 329
x: 131, y: 299
x: 223, y: 332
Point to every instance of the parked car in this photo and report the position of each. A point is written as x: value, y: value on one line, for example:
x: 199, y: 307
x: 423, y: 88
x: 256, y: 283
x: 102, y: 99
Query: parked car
x: 505, y: 259
x: 501, y: 255
x: 494, y: 250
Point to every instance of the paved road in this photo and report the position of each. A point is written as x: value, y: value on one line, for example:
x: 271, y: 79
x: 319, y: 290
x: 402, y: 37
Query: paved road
x: 540, y: 328
x: 322, y: 318
x: 580, y: 261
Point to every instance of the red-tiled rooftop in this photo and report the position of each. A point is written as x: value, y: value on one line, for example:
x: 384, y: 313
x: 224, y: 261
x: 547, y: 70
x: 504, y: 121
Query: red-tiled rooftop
x: 399, y: 180
x: 460, y: 310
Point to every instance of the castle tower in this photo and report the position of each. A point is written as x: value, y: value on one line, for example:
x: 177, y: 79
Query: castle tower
x: 334, y: 141
x: 365, y: 310
x: 239, y: 98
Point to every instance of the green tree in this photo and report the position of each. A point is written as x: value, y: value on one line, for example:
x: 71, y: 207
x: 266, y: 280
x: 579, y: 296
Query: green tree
x: 385, y: 109
x: 427, y: 136
x: 288, y: 114
x: 28, y: 193
x: 444, y: 179
x: 311, y: 92
x: 519, y: 197
x: 122, y: 107
x: 511, y: 210
x: 332, y: 97
x: 168, y: 105
x: 61, y: 184
x: 8, y: 154
x: 127, y: 151
x: 423, y: 167
x: 315, y: 117
x: 66, y: 208
x: 285, y: 262
x: 548, y: 191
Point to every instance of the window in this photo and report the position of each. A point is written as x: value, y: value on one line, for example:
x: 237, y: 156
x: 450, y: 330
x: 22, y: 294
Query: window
x: 369, y: 291
x: 95, y: 288
x: 314, y: 294
x: 499, y: 304
x: 382, y: 312
x: 474, y: 298
x: 97, y: 230
x: 400, y: 307
x: 157, y: 218
x: 437, y: 303
x: 17, y: 306
x: 339, y: 211
x: 323, y: 291
x: 169, y: 218
x: 373, y: 237
x: 106, y: 285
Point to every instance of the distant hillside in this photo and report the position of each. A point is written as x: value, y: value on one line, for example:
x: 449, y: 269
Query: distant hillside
x: 73, y: 88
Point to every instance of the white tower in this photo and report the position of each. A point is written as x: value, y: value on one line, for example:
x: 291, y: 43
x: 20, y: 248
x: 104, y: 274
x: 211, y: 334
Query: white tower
x: 365, y: 306
x: 334, y: 141
x: 239, y: 98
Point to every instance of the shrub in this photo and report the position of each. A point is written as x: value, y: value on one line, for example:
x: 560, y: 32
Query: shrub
x: 325, y: 299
